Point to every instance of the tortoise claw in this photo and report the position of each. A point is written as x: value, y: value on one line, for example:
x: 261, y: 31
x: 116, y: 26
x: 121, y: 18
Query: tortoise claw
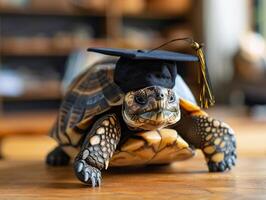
x: 87, y: 174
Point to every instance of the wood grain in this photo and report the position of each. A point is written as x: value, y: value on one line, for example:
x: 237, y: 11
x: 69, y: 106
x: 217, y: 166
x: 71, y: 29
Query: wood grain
x: 186, y: 180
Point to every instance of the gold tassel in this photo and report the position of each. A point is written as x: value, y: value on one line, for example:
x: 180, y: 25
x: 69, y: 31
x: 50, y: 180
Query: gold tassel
x: 206, y: 96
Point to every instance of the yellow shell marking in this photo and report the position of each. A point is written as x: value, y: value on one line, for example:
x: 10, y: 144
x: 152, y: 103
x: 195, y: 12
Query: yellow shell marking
x: 75, y: 137
x: 132, y: 145
x: 145, y: 154
x: 112, y: 121
x: 171, y: 154
x: 85, y: 123
x: 152, y: 137
x: 152, y: 147
x: 168, y: 136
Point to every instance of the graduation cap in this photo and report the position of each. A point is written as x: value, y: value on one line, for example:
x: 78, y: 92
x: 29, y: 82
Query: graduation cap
x: 137, y: 69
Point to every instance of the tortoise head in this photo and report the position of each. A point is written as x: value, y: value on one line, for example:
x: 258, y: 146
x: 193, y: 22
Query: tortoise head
x: 151, y: 108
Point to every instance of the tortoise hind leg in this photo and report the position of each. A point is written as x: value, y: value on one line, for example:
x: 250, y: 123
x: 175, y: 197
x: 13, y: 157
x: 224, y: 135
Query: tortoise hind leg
x: 215, y: 138
x: 97, y: 149
x: 57, y: 157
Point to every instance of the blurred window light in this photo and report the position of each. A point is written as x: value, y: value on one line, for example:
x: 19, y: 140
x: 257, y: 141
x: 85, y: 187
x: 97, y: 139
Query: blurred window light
x: 225, y: 21
x: 260, y: 12
x: 11, y: 84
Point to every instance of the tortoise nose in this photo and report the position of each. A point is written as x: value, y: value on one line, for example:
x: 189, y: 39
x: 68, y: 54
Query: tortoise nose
x: 159, y: 95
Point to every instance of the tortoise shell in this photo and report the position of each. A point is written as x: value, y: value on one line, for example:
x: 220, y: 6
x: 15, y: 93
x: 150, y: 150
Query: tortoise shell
x: 94, y: 92
x: 152, y: 147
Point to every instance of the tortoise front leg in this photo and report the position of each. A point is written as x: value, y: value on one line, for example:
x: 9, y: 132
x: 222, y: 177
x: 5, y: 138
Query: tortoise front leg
x: 215, y: 138
x: 97, y: 149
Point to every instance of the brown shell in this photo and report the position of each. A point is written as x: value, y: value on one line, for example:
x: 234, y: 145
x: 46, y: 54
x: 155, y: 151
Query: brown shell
x: 91, y: 93
x: 152, y: 147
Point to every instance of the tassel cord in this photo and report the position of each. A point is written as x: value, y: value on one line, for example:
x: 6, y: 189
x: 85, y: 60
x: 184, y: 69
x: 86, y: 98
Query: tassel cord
x: 203, y: 77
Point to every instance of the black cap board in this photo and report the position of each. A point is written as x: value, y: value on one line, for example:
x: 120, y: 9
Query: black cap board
x: 136, y: 69
x: 147, y: 55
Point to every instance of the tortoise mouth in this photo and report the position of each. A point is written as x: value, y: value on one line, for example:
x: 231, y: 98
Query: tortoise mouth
x: 157, y: 110
x: 157, y: 115
x: 151, y: 120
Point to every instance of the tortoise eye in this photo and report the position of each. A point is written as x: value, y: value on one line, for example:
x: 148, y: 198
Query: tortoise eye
x: 171, y: 97
x: 141, y: 98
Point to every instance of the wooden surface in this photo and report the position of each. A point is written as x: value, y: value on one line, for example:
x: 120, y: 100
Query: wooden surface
x: 186, y: 180
x: 23, y: 174
x: 26, y: 123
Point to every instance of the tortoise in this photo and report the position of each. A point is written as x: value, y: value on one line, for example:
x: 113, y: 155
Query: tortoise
x: 136, y: 110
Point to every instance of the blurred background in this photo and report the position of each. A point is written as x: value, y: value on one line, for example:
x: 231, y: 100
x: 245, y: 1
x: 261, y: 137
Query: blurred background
x: 43, y: 46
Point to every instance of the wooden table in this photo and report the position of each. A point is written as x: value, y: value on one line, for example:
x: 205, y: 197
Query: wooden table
x: 186, y: 180
x: 23, y: 174
x: 25, y: 123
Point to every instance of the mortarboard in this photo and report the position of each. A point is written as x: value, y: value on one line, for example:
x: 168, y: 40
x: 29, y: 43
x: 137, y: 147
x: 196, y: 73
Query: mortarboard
x: 136, y: 69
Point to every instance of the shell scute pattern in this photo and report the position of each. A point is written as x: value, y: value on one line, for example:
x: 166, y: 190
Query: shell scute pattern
x: 91, y: 93
x: 152, y: 147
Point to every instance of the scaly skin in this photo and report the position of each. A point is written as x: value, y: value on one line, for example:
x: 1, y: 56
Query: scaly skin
x: 97, y: 150
x: 215, y: 138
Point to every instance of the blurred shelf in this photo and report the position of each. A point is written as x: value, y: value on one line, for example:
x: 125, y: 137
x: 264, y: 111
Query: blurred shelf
x: 15, y: 46
x: 155, y: 16
x: 111, y: 22
x: 138, y: 44
x: 40, y: 46
x: 68, y: 8
x: 35, y: 90
x: 35, y: 97
x: 27, y: 123
x: 143, y: 15
x: 54, y: 11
